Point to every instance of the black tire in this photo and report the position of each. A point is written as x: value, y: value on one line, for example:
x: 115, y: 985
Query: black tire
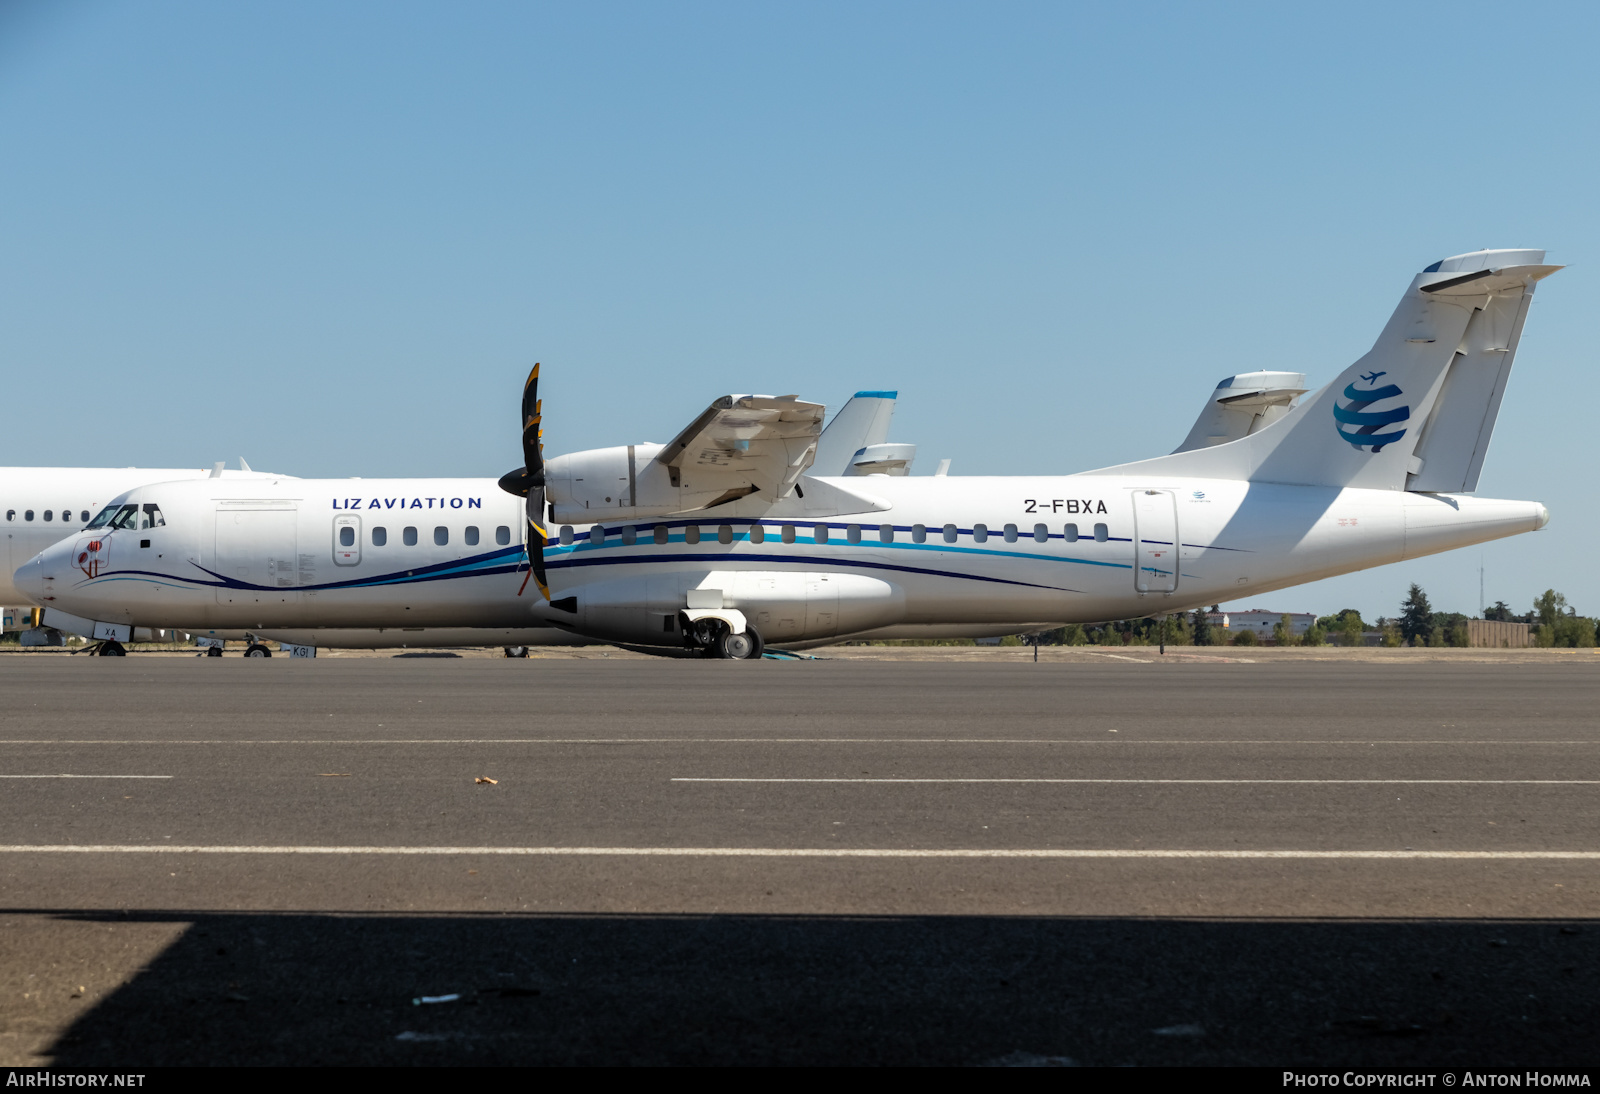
x: 112, y: 649
x: 516, y: 651
x: 213, y: 651
x: 256, y: 649
x: 738, y: 647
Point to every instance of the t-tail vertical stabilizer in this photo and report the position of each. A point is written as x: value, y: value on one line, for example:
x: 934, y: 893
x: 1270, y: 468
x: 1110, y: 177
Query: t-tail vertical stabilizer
x: 1415, y: 413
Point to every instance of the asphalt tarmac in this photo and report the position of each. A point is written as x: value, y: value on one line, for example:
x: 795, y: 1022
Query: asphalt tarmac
x: 1374, y: 864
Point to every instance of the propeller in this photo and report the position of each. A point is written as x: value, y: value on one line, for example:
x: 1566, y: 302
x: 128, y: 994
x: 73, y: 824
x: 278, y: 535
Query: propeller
x: 527, y: 481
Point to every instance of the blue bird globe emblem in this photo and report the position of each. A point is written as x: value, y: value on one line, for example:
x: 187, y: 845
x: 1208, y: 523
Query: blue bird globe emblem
x: 1368, y: 414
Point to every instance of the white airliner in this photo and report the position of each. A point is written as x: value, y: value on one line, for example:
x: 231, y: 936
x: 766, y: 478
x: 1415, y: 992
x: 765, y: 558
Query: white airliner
x: 720, y: 541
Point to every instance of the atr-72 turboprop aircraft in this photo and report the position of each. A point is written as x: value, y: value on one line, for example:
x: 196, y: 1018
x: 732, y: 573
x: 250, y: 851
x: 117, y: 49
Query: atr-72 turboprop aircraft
x: 720, y: 541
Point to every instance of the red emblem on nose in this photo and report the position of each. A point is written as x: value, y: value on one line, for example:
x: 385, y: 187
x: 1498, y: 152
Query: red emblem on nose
x: 92, y: 557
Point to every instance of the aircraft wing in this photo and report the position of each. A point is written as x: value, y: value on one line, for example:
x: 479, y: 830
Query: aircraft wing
x: 745, y: 443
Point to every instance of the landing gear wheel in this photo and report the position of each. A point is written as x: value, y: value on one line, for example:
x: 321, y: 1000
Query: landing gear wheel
x: 214, y: 651
x: 256, y: 649
x: 112, y: 649
x: 516, y: 651
x: 739, y: 647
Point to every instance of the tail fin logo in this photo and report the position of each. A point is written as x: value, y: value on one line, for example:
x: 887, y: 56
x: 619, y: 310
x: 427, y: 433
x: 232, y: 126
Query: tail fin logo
x: 1369, y: 413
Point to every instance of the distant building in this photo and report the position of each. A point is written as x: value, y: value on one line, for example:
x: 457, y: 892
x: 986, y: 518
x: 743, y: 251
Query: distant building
x: 1261, y: 621
x: 1496, y: 635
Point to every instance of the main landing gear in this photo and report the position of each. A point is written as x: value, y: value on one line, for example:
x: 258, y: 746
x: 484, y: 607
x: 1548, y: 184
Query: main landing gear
x: 255, y: 649
x: 516, y: 651
x: 714, y: 638
x: 112, y: 649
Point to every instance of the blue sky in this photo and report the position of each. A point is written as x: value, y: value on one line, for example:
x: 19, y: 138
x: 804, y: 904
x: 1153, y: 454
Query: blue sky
x: 332, y: 237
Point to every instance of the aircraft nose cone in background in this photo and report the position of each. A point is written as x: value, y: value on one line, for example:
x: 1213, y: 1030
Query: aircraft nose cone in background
x: 30, y: 579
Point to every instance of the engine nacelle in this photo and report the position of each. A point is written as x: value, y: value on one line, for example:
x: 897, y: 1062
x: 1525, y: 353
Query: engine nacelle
x: 782, y: 606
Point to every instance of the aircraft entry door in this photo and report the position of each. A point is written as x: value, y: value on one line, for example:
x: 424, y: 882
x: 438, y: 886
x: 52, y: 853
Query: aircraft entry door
x: 1155, y: 541
x: 255, y: 554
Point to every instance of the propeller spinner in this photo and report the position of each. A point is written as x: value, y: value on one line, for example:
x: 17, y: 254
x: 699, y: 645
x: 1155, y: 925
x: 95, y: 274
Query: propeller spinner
x: 528, y: 480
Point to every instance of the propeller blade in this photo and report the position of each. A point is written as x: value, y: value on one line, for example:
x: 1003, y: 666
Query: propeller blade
x: 533, y: 429
x: 528, y: 481
x: 537, y: 538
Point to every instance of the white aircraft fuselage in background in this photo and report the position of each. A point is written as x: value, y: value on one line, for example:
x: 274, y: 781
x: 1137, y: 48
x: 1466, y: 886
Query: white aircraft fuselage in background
x: 720, y: 529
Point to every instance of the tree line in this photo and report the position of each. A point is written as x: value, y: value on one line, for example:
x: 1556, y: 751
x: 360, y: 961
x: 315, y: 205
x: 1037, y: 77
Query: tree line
x: 1554, y: 623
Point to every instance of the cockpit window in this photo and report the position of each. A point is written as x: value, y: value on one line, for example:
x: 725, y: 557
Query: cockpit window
x: 126, y: 516
x: 151, y: 517
x: 103, y: 517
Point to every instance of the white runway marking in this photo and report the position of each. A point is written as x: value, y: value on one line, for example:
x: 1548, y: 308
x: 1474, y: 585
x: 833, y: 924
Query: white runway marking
x: 85, y: 776
x: 788, y: 852
x: 1108, y: 740
x: 1195, y: 782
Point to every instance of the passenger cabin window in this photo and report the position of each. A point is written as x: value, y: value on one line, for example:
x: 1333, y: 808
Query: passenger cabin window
x: 1011, y: 533
x: 885, y: 533
x: 852, y: 533
x: 566, y: 535
x: 1041, y: 533
x: 980, y: 533
x: 661, y: 533
x: 471, y: 535
x: 11, y: 514
x: 788, y: 533
x: 725, y: 533
x: 408, y: 536
x: 347, y: 536
x: 28, y: 515
x: 758, y: 534
x: 919, y: 533
x: 819, y: 533
x: 691, y: 534
x: 950, y: 533
x: 47, y: 514
x: 1101, y: 534
x: 1070, y: 533
x: 380, y: 537
x: 630, y: 535
x: 597, y: 536
x: 502, y: 535
x: 84, y: 516
x: 441, y: 536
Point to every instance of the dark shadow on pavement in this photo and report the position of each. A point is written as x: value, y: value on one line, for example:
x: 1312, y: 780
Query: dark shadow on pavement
x: 339, y: 989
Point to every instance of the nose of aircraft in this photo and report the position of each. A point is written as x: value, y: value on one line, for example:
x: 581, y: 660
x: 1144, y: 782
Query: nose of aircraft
x: 29, y: 578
